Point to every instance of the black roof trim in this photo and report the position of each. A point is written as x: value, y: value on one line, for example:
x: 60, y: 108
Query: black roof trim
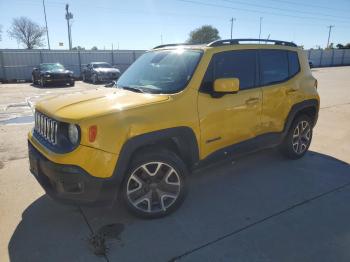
x: 261, y: 41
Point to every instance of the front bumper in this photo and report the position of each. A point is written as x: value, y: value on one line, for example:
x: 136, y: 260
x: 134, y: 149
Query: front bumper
x: 71, y: 184
x: 107, y: 77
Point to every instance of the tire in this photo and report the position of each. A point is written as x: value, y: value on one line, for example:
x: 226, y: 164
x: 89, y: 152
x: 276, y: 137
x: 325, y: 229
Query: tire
x: 42, y: 82
x: 94, y: 79
x: 84, y: 77
x: 155, y: 183
x: 72, y: 83
x: 34, y: 81
x: 298, y: 139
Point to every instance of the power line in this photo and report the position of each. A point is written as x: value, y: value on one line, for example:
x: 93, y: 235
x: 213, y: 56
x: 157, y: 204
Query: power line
x: 281, y: 9
x: 256, y: 11
x: 310, y: 5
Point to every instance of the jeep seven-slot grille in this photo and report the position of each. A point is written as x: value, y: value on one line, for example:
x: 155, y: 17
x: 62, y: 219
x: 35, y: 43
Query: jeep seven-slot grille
x: 46, y: 127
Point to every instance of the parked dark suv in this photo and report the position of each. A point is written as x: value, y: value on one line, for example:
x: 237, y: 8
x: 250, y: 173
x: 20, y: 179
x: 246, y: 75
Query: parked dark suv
x: 100, y: 72
x: 53, y: 73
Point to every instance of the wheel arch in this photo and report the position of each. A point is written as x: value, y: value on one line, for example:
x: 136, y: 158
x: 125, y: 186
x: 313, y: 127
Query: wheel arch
x: 308, y: 107
x: 181, y: 140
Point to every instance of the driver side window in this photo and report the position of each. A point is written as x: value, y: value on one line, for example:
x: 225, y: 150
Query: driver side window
x: 239, y: 64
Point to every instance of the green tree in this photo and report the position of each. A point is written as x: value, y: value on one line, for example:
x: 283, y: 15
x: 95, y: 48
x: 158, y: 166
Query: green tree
x: 94, y: 48
x: 203, y: 35
x: 78, y: 48
x: 340, y: 46
x: 27, y: 32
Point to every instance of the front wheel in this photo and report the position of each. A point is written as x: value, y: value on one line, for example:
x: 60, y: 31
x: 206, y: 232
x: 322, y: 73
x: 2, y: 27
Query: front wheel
x: 94, y: 79
x: 42, y: 82
x: 34, y: 81
x: 155, y: 184
x: 298, y: 139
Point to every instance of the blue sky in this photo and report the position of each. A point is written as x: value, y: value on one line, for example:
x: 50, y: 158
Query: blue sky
x: 139, y: 24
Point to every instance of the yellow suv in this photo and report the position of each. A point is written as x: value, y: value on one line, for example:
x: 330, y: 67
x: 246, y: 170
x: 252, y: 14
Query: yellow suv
x: 176, y: 106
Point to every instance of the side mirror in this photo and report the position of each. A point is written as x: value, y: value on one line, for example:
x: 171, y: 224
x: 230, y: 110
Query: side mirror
x: 226, y: 85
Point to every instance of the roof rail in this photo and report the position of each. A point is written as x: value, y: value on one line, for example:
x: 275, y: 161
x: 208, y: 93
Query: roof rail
x: 262, y: 41
x: 161, y: 46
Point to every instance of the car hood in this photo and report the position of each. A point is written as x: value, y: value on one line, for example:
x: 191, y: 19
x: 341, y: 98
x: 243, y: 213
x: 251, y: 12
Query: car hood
x: 106, y: 70
x: 82, y: 105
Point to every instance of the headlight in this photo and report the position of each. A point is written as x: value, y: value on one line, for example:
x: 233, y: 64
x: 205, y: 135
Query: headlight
x: 47, y: 75
x: 73, y: 134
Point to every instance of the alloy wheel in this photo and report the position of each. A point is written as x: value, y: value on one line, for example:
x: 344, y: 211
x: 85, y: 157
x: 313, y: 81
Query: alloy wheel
x: 301, y: 137
x: 153, y: 187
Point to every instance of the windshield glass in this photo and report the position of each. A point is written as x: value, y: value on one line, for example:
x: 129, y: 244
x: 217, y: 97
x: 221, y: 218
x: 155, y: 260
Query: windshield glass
x: 51, y: 66
x: 165, y: 71
x: 104, y: 65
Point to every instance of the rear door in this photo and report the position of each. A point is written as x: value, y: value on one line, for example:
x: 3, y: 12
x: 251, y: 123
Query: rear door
x: 231, y: 118
x: 277, y: 69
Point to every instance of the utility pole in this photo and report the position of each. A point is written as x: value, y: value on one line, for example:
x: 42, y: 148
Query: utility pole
x: 47, y: 30
x: 329, y: 34
x: 260, y: 28
x: 68, y: 17
x: 161, y: 39
x: 231, y: 20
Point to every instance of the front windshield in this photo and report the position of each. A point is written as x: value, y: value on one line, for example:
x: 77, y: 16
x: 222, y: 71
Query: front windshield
x: 166, y: 71
x: 104, y: 65
x: 52, y: 66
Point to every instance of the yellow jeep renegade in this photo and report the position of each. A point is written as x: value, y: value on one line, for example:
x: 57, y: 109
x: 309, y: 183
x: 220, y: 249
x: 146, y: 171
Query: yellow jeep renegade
x: 176, y: 106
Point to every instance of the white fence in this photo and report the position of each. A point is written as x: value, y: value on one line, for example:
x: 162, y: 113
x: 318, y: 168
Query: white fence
x: 332, y: 57
x: 17, y: 64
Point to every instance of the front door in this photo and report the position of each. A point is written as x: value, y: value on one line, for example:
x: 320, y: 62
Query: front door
x: 231, y: 118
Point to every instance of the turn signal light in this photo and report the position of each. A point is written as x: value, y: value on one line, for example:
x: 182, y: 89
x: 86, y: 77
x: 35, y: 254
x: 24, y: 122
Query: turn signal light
x: 92, y: 133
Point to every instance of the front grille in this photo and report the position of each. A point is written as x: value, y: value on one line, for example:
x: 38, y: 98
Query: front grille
x: 46, y: 127
x: 59, y: 76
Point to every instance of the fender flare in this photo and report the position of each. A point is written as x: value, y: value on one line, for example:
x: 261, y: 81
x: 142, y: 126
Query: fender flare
x: 183, y: 137
x: 297, y: 108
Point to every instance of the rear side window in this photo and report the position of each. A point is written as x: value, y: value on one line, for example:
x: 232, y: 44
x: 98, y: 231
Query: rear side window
x: 273, y: 66
x: 238, y: 64
x: 294, y: 66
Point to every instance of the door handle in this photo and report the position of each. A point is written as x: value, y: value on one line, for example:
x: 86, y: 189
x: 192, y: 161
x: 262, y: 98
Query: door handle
x: 252, y: 101
x: 291, y: 91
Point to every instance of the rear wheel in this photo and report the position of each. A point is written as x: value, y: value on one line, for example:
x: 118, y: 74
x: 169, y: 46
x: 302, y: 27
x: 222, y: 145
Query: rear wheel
x: 155, y: 184
x: 298, y: 139
x: 84, y: 77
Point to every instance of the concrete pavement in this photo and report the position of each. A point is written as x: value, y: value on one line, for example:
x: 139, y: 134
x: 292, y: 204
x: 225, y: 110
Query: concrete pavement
x: 260, y: 207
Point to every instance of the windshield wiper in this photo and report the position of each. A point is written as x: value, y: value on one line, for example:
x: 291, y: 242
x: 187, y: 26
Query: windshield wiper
x: 134, y: 89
